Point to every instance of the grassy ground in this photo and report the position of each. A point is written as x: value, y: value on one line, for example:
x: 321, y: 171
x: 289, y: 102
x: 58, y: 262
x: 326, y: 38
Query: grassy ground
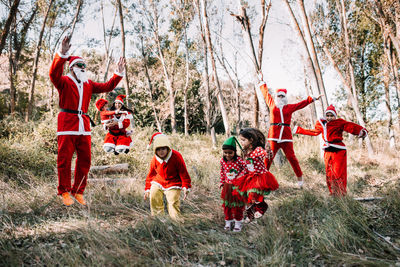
x: 302, y: 227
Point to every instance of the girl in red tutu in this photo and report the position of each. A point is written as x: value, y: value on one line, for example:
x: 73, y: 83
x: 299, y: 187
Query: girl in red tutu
x: 232, y: 168
x: 259, y: 182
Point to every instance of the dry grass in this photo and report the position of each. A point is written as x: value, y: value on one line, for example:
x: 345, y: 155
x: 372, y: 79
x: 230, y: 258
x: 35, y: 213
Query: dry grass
x: 302, y: 227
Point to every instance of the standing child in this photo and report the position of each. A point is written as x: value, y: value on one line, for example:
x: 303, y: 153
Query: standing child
x: 334, y: 149
x: 106, y: 116
x: 232, y: 168
x: 259, y: 181
x: 167, y: 176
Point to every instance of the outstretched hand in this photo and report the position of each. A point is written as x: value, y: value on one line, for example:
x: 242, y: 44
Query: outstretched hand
x: 65, y: 45
x: 319, y: 97
x: 121, y: 65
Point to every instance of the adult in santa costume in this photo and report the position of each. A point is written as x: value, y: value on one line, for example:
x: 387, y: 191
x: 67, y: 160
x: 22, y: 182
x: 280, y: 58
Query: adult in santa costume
x: 280, y: 134
x: 116, y: 121
x: 73, y: 129
x: 334, y: 149
x: 167, y: 176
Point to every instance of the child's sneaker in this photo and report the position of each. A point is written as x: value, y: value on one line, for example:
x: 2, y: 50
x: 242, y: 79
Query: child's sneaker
x: 67, y: 200
x: 259, y: 209
x: 238, y: 226
x: 228, y: 225
x: 300, y: 182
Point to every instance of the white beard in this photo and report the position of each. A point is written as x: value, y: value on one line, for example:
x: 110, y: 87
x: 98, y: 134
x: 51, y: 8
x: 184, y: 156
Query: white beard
x: 281, y: 101
x: 80, y: 74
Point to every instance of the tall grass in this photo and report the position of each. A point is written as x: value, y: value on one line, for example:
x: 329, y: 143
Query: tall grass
x: 302, y: 227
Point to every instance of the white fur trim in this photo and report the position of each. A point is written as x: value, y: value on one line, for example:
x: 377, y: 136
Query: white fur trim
x: 166, y: 160
x: 148, y: 190
x: 61, y: 55
x: 76, y: 61
x: 331, y: 111
x: 118, y: 147
x: 280, y: 140
x: 185, y: 188
x: 119, y: 74
x: 166, y: 189
x: 73, y: 133
x: 109, y: 145
x: 129, y: 117
x: 120, y: 125
x: 118, y: 101
x: 261, y: 83
x: 295, y: 129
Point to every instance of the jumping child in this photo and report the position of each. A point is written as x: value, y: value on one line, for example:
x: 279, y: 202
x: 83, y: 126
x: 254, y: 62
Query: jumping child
x: 232, y: 168
x: 259, y: 182
x: 334, y: 149
x: 167, y: 176
x: 118, y: 139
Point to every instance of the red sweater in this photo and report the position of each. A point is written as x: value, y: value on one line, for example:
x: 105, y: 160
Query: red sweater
x: 75, y: 96
x: 332, y: 132
x: 170, y: 173
x: 281, y: 133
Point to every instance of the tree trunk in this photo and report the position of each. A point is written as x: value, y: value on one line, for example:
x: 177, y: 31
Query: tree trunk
x: 214, y: 68
x: 7, y: 24
x: 35, y: 64
x: 387, y: 68
x: 126, y: 79
x: 185, y: 89
x: 13, y: 91
x: 309, y: 63
x: 78, y: 9
x: 313, y: 53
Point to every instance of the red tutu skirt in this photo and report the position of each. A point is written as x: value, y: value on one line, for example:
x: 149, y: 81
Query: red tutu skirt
x: 254, y: 186
x: 231, y: 199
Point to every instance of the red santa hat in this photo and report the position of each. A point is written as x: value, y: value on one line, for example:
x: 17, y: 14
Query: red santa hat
x: 100, y: 103
x: 281, y: 91
x: 153, y: 137
x: 120, y: 99
x: 331, y: 109
x: 74, y: 59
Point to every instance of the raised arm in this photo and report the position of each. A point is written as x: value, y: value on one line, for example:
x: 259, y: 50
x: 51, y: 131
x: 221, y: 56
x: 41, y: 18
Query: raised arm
x: 57, y: 66
x: 113, y: 82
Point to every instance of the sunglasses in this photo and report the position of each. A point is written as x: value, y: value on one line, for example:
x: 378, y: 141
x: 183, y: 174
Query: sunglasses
x: 81, y: 65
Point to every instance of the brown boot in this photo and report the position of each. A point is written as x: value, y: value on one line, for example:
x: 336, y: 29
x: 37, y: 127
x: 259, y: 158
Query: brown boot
x: 67, y: 200
x: 80, y: 199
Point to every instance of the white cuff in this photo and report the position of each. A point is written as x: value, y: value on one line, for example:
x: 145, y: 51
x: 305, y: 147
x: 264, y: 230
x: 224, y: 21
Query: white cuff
x: 261, y: 83
x: 186, y: 189
x: 119, y: 74
x: 295, y: 129
x: 148, y: 190
x: 61, y: 55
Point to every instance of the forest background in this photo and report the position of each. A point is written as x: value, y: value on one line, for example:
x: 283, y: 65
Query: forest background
x: 191, y: 72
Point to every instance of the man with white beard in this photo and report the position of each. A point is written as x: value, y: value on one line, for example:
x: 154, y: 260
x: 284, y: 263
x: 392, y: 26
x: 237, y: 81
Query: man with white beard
x: 280, y: 135
x: 73, y: 128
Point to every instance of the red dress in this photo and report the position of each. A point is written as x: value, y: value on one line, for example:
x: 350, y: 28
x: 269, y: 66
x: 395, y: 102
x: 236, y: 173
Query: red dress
x: 117, y: 137
x: 334, y: 150
x: 258, y: 181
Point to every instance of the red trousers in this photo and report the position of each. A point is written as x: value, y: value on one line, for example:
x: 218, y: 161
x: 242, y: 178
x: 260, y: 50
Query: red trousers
x: 234, y: 213
x: 336, y: 172
x: 67, y: 145
x: 287, y: 148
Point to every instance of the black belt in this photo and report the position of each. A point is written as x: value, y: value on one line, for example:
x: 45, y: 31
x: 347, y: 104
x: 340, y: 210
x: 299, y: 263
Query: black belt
x: 116, y: 134
x: 281, y: 124
x: 334, y: 141
x: 78, y: 112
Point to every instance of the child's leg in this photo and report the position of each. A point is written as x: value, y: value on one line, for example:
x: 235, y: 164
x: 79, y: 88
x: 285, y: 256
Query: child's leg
x: 156, y: 200
x: 238, y: 213
x: 109, y: 143
x: 228, y: 213
x: 173, y: 199
x: 339, y: 170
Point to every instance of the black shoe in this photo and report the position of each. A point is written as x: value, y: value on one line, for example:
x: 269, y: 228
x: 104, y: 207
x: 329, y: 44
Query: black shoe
x: 126, y: 151
x: 116, y: 153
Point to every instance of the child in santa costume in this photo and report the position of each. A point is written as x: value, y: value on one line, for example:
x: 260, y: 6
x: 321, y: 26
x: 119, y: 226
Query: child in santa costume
x: 335, y: 156
x: 232, y: 167
x: 258, y: 182
x: 167, y: 176
x: 280, y: 135
x: 117, y: 120
x: 105, y: 114
x: 73, y: 128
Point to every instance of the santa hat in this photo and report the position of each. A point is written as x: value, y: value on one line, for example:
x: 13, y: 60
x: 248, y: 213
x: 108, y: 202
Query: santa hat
x: 100, y: 103
x: 230, y: 143
x: 74, y: 59
x: 331, y: 109
x: 281, y: 91
x: 153, y: 138
x: 120, y: 99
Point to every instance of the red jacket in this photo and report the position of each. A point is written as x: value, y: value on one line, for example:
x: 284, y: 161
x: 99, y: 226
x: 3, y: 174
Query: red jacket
x: 170, y: 173
x: 75, y: 96
x: 332, y: 132
x: 281, y: 133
